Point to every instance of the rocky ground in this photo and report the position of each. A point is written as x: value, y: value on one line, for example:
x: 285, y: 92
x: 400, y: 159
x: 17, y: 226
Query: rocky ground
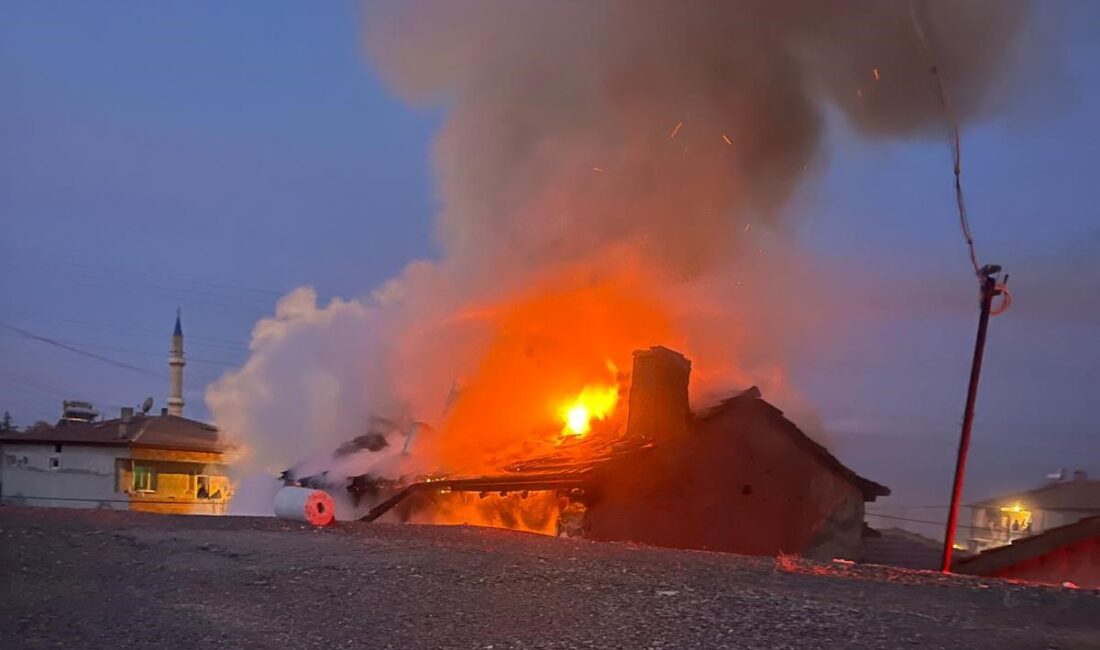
x: 89, y: 579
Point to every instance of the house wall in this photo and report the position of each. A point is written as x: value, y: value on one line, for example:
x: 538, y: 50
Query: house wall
x: 98, y: 476
x: 734, y: 483
x: 1056, y: 518
x: 85, y: 477
x: 176, y: 489
x: 1078, y: 563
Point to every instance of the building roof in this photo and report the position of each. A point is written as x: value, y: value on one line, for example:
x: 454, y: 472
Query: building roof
x: 154, y: 432
x: 751, y: 398
x: 1078, y: 494
x: 906, y: 549
x: 572, y: 465
x: 996, y: 560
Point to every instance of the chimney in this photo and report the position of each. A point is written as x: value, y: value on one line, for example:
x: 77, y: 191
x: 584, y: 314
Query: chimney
x: 124, y: 421
x: 163, y: 411
x: 1080, y: 475
x: 658, y: 403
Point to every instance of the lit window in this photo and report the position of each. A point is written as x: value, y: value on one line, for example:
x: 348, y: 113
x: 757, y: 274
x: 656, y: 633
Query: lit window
x: 145, y: 478
x: 1015, y: 518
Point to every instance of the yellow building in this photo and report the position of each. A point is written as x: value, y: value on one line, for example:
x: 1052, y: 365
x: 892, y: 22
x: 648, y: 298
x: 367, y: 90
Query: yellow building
x: 1005, y: 519
x: 152, y: 463
x: 159, y: 463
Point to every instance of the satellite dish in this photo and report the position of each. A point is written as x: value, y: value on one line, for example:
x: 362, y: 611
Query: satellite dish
x: 147, y: 404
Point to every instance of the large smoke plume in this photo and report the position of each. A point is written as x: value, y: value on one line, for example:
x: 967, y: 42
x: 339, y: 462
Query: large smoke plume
x: 613, y: 174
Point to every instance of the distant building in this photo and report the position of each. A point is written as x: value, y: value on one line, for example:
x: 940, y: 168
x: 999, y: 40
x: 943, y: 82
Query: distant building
x: 155, y: 463
x: 150, y: 463
x: 1066, y: 554
x: 1005, y: 519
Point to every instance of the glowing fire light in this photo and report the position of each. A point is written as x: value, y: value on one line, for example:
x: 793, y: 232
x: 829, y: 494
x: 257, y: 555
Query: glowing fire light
x: 593, y: 403
x: 874, y: 71
x: 727, y: 139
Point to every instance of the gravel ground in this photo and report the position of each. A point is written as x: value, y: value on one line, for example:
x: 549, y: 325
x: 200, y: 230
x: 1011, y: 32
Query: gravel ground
x: 88, y: 579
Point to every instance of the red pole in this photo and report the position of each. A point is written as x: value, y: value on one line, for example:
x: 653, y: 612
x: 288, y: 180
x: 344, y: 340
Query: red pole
x: 989, y: 289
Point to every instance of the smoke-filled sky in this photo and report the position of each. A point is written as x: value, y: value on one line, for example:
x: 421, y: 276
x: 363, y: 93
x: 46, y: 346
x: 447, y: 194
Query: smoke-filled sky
x: 214, y: 157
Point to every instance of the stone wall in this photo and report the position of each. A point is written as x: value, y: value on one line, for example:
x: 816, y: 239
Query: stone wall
x: 736, y: 482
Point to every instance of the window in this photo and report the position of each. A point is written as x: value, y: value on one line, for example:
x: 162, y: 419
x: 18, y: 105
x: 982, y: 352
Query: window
x: 1015, y: 518
x: 55, y: 463
x: 204, y: 487
x: 10, y: 460
x: 145, y: 478
x: 57, y: 449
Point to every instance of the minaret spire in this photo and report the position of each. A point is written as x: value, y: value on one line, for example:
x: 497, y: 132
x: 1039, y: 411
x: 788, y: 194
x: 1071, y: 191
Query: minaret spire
x: 176, y: 362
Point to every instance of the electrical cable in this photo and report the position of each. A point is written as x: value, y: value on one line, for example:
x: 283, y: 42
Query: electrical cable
x: 917, y: 521
x: 956, y: 140
x: 142, y: 275
x: 1006, y: 300
x: 114, y: 328
x: 85, y: 353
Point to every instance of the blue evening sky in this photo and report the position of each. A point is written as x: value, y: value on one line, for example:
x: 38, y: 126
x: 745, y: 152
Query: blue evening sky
x: 214, y: 155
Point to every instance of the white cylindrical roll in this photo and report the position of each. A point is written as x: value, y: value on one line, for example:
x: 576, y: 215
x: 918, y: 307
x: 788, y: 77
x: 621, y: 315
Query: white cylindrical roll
x: 302, y: 504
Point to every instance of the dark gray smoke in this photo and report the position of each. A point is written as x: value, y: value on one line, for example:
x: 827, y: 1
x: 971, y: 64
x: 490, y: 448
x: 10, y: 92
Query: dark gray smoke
x: 633, y: 143
x: 560, y: 112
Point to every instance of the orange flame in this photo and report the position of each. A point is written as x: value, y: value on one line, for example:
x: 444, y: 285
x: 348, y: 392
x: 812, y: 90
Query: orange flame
x: 544, y: 375
x: 594, y: 402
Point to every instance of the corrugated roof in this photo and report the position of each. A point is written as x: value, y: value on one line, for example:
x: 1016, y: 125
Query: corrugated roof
x: 752, y: 398
x: 996, y: 560
x: 1067, y: 495
x: 156, y: 432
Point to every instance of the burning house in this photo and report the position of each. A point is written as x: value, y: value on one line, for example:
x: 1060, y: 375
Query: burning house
x: 601, y: 190
x: 737, y: 477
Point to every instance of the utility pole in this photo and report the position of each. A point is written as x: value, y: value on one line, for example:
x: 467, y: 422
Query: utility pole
x: 990, y: 289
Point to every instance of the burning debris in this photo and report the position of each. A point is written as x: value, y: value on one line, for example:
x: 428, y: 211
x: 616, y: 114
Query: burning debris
x: 373, y: 440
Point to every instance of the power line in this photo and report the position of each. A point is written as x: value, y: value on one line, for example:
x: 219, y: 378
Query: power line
x: 85, y: 353
x: 918, y: 521
x: 216, y: 362
x: 54, y: 396
x: 54, y: 393
x: 145, y: 275
x: 30, y: 386
x: 30, y: 390
x: 24, y: 406
x: 36, y: 396
x: 99, y: 326
x: 153, y: 292
x: 956, y: 143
